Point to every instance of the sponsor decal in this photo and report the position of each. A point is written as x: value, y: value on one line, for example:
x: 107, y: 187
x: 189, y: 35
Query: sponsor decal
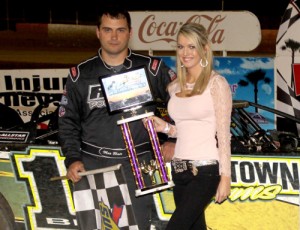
x: 64, y: 100
x: 13, y: 136
x: 73, y: 72
x: 154, y: 64
x: 172, y: 74
x: 109, y: 218
x: 61, y: 111
x: 95, y: 97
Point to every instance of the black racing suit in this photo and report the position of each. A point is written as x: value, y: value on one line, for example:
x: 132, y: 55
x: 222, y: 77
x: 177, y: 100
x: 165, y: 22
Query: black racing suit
x: 89, y: 134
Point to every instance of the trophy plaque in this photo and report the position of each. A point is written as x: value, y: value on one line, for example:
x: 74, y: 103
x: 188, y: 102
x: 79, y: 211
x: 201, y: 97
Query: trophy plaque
x: 127, y: 92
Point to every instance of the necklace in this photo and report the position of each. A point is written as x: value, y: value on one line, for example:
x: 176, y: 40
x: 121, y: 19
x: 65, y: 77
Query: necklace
x: 189, y: 86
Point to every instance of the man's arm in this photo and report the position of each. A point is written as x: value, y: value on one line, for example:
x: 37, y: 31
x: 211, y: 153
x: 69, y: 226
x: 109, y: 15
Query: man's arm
x: 69, y: 123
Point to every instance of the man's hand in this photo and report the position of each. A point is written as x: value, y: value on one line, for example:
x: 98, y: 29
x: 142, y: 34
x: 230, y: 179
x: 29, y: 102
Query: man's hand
x: 73, y: 171
x: 168, y: 151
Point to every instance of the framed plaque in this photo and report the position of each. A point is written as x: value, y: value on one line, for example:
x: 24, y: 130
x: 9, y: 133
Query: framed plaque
x: 127, y: 90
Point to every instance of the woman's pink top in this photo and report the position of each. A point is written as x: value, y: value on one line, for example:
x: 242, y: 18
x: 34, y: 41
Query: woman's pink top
x: 200, y: 120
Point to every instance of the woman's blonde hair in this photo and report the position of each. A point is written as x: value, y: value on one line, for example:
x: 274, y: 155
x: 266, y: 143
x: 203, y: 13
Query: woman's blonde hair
x: 198, y: 35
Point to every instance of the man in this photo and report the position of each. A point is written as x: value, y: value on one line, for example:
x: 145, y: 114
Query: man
x: 90, y: 137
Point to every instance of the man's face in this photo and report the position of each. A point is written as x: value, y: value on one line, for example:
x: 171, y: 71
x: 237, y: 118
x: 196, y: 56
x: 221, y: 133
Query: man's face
x: 113, y: 35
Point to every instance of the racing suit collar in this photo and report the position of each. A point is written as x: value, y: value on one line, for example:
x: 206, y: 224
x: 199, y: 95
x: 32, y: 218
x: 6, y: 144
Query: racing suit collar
x: 127, y: 62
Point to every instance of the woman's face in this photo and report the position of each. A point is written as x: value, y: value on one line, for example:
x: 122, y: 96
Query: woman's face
x: 187, y: 52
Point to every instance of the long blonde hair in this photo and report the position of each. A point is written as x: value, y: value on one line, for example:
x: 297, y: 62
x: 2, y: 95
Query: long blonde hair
x: 199, y: 37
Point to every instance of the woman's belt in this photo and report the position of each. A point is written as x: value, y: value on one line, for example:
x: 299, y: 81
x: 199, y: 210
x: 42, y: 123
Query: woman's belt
x: 180, y: 165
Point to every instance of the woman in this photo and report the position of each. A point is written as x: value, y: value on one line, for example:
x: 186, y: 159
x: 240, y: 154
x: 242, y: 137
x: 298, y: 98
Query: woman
x: 200, y: 105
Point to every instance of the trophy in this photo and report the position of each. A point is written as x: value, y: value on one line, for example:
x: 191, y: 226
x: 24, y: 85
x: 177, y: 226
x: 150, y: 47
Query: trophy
x: 129, y: 91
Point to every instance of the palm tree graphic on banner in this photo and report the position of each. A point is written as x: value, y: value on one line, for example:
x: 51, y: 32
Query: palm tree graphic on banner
x: 254, y: 77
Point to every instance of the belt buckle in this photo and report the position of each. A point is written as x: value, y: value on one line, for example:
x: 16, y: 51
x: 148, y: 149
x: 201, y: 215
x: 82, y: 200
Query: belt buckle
x: 193, y: 168
x: 179, y: 166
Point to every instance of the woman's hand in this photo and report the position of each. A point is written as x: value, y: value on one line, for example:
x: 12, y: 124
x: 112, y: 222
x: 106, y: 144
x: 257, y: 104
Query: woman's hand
x: 159, y: 124
x: 223, y: 190
x: 168, y: 149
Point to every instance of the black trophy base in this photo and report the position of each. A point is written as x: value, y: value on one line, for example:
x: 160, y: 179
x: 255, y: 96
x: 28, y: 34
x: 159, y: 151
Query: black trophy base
x: 154, y: 188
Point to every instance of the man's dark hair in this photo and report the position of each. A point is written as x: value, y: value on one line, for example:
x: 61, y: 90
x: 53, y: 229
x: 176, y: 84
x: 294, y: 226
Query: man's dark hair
x: 114, y: 11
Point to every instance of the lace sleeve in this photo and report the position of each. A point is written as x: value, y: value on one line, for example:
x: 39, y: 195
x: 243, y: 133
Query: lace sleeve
x: 173, y: 131
x: 222, y: 99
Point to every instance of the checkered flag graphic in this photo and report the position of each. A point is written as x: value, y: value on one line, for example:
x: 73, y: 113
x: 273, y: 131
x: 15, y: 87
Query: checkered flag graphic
x: 102, y: 201
x: 291, y: 15
x: 296, y: 75
x: 286, y: 100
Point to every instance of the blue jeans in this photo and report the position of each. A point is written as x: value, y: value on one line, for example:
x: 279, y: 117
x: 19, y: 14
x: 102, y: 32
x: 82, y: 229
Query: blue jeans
x: 192, y: 194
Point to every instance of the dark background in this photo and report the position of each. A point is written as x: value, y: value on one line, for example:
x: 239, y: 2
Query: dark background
x: 84, y: 12
x: 33, y: 49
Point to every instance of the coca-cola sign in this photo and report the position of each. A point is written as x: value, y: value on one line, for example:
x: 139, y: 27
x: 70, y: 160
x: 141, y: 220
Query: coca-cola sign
x: 228, y: 30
